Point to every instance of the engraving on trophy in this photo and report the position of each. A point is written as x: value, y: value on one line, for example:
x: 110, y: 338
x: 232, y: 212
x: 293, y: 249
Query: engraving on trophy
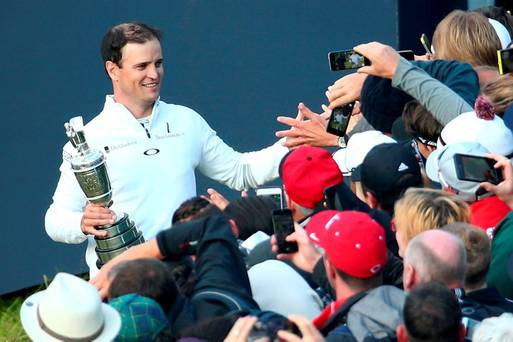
x: 96, y: 184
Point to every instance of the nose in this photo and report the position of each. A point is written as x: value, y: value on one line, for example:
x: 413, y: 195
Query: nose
x: 152, y: 71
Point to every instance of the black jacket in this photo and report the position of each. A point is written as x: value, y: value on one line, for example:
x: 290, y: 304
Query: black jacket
x: 484, y: 303
x: 222, y: 281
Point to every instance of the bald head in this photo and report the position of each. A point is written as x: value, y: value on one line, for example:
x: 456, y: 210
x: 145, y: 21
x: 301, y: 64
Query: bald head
x: 437, y: 255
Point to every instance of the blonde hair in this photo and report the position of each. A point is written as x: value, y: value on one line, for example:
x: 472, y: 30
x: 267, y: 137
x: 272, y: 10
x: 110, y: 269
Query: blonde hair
x: 466, y: 37
x: 500, y: 93
x: 421, y: 209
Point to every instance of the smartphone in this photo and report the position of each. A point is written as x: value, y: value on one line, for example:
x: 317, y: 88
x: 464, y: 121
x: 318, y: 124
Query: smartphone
x: 407, y: 54
x: 339, y: 119
x: 477, y: 169
x: 346, y: 59
x: 505, y: 61
x: 424, y: 40
x: 283, y: 226
x: 276, y: 194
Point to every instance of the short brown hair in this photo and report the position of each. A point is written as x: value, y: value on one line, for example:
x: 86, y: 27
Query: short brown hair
x: 118, y: 36
x: 466, y: 37
x: 477, y: 244
x: 419, y: 122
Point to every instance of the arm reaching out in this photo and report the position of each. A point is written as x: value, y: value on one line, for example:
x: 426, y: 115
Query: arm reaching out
x: 307, y: 132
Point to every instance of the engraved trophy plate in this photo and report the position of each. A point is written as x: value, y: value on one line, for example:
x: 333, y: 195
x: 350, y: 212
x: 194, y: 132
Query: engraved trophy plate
x: 90, y: 169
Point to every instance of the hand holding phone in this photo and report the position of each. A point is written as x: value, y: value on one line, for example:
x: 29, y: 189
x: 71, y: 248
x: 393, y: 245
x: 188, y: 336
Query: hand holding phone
x: 476, y: 169
x: 284, y: 226
x: 384, y: 59
x: 503, y: 190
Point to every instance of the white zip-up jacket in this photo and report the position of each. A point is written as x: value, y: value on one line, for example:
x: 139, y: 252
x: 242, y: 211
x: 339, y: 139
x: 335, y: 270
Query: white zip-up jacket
x: 152, y: 171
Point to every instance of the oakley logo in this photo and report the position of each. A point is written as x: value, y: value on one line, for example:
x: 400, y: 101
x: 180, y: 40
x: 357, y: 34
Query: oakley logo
x: 151, y: 151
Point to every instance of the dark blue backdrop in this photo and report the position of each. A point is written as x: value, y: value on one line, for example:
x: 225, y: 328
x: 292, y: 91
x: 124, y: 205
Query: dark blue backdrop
x: 238, y: 63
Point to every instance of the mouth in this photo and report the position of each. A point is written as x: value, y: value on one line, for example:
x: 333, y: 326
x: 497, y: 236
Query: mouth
x: 151, y: 85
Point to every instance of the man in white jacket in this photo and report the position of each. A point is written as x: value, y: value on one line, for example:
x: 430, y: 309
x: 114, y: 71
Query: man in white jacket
x: 152, y: 149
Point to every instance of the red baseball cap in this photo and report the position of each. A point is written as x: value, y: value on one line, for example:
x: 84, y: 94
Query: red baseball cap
x: 352, y: 240
x: 306, y: 172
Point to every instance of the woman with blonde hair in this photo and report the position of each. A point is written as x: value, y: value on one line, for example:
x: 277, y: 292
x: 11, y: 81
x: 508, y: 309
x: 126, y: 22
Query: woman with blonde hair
x: 466, y: 37
x: 421, y: 209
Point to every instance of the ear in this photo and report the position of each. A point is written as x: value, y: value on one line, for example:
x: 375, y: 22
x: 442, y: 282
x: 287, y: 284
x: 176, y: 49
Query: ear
x: 234, y: 228
x: 371, y: 200
x: 330, y: 272
x: 409, y: 274
x: 112, y: 70
x: 400, y: 331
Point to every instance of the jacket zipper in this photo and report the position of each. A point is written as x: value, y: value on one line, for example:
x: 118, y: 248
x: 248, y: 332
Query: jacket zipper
x: 147, y: 132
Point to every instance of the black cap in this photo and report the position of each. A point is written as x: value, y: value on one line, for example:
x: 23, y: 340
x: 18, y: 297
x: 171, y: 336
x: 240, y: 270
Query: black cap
x: 385, y: 164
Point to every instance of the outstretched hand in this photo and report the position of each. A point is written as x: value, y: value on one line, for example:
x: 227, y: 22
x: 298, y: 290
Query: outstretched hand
x: 216, y: 199
x: 345, y: 90
x: 311, y: 131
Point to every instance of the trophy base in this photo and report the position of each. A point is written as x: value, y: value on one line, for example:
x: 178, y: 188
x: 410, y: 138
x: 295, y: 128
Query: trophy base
x: 120, y: 236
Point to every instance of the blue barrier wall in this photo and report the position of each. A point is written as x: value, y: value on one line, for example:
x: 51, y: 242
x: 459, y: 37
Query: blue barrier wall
x: 238, y: 63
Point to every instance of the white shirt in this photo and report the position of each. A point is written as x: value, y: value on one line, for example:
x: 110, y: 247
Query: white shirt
x: 152, y: 170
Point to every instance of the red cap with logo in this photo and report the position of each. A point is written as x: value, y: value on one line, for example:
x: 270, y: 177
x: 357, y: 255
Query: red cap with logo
x: 306, y: 172
x: 353, y: 241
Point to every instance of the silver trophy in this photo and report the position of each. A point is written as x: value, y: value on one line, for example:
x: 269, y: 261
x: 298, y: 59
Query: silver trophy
x: 91, y: 173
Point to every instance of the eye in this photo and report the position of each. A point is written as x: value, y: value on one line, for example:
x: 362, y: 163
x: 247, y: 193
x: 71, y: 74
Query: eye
x: 158, y: 64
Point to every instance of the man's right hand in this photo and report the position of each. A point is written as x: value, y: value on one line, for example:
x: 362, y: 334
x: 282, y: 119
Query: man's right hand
x: 96, y: 215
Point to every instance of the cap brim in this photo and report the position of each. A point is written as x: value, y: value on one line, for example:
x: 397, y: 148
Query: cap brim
x: 432, y: 164
x: 340, y: 158
x: 29, y: 320
x: 316, y: 227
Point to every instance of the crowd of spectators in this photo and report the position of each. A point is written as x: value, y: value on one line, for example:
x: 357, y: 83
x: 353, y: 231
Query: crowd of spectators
x: 392, y: 243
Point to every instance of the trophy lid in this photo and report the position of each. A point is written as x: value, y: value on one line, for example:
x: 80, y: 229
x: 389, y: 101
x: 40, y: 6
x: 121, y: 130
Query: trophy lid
x: 75, y: 131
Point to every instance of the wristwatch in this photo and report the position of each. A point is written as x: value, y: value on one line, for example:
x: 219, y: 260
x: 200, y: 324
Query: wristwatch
x: 341, y: 142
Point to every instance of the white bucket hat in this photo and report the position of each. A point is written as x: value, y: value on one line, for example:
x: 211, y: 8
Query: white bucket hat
x: 70, y: 309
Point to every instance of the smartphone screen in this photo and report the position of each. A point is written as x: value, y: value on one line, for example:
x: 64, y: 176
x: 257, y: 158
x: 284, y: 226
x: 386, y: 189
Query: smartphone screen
x: 346, y: 59
x: 424, y: 40
x: 407, y: 54
x: 283, y: 227
x: 273, y: 193
x: 477, y: 169
x: 505, y: 62
x: 339, y: 119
